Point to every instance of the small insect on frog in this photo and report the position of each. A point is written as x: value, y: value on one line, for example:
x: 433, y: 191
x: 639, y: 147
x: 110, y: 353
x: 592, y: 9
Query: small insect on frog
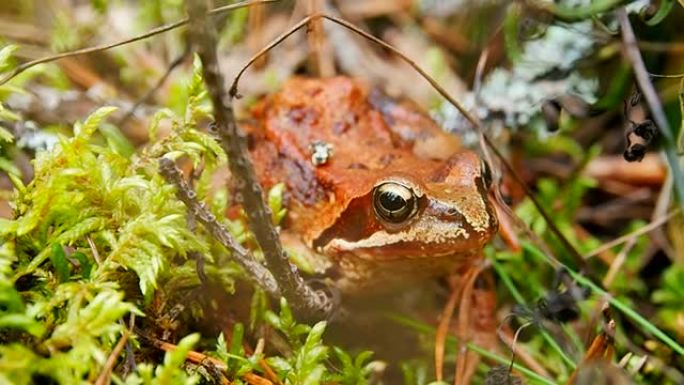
x: 377, y: 194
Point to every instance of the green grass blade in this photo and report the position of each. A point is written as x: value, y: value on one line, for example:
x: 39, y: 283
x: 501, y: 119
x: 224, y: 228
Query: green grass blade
x: 429, y: 329
x: 626, y: 310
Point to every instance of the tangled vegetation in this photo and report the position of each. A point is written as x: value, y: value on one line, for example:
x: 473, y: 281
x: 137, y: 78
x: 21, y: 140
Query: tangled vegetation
x: 106, y: 277
x: 95, y: 214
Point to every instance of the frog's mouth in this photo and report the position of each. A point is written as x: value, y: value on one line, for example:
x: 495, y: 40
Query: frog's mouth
x: 433, y: 240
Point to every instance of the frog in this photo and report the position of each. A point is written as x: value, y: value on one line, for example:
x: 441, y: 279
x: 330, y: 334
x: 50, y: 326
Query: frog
x: 378, y: 195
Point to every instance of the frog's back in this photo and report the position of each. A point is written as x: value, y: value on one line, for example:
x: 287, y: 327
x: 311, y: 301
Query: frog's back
x: 369, y: 135
x: 378, y: 155
x: 345, y: 113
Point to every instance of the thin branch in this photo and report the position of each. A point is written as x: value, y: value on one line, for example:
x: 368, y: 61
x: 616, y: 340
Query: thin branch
x: 196, y: 255
x: 479, y: 71
x: 106, y: 373
x: 102, y: 47
x: 93, y: 248
x: 657, y: 46
x: 148, y: 95
x: 318, y: 44
x: 256, y: 272
x: 577, y: 257
x: 208, y: 362
x: 233, y: 92
x: 643, y: 80
x: 352, y: 27
x: 130, y: 355
x: 640, y: 231
x: 522, y: 352
x: 303, y: 298
x: 617, y: 263
x: 676, y: 76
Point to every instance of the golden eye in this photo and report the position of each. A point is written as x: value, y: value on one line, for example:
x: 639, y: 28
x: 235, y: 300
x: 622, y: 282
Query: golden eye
x: 394, y: 202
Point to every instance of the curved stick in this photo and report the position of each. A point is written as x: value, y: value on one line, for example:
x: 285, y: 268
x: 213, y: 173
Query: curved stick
x: 477, y: 125
x: 302, y: 297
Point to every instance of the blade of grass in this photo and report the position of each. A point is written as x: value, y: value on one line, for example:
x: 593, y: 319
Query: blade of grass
x: 625, y: 309
x: 508, y: 282
x: 430, y: 330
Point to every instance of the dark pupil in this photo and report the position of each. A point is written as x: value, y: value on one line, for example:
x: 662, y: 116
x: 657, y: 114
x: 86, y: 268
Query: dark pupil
x: 391, y: 201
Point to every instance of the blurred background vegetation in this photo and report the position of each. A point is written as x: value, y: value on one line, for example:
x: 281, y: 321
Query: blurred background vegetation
x: 94, y: 241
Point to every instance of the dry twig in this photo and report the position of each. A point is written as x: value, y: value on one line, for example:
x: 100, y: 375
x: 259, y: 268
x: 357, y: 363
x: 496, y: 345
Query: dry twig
x: 257, y: 272
x: 160, y: 82
x: 210, y: 363
x: 318, y: 43
x: 104, y: 377
x: 640, y: 231
x: 302, y: 298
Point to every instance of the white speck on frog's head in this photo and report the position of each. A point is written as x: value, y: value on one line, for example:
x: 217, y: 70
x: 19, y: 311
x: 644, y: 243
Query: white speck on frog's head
x: 321, y: 152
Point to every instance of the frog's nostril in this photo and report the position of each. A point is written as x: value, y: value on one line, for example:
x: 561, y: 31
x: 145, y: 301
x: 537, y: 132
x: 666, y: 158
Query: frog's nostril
x: 451, y: 211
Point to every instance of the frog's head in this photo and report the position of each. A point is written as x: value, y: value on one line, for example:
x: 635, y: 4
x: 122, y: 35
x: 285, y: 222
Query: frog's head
x: 410, y: 214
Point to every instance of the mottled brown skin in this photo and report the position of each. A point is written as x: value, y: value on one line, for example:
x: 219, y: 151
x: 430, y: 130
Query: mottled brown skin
x: 374, y: 140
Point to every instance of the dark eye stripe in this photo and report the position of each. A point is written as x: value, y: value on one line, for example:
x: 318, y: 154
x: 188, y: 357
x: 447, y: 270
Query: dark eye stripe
x: 486, y: 174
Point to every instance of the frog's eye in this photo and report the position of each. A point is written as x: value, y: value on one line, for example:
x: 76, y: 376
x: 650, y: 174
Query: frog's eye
x: 394, y: 202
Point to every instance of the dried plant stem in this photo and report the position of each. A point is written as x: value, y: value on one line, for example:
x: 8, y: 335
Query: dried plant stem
x: 633, y: 235
x: 255, y: 26
x: 464, y: 369
x: 211, y: 363
x: 302, y: 298
x: 577, y: 257
x: 105, y: 375
x: 520, y: 351
x: 103, y: 378
x: 256, y: 271
x: 150, y: 93
x: 442, y: 330
x: 322, y: 59
x: 427, y: 329
x: 93, y: 248
x: 103, y: 47
x: 643, y: 80
x: 617, y: 264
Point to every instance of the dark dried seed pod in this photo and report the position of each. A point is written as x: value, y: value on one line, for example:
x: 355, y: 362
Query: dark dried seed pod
x: 501, y: 375
x: 639, y: 137
x: 634, y: 153
x: 646, y: 130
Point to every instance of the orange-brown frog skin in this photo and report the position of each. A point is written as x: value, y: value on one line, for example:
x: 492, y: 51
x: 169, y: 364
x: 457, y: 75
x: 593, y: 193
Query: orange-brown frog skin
x: 396, y: 199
